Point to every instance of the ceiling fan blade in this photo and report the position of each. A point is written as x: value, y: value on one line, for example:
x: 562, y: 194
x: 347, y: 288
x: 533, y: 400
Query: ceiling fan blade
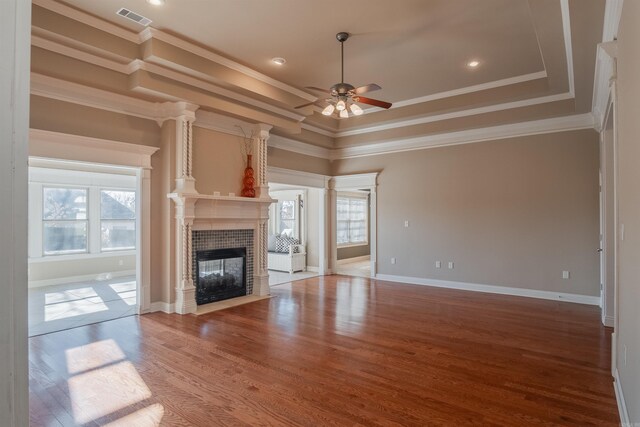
x: 317, y: 88
x: 305, y: 105
x: 371, y: 101
x: 368, y: 88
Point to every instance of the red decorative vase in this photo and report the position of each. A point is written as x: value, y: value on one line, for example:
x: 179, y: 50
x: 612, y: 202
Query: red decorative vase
x: 248, y: 181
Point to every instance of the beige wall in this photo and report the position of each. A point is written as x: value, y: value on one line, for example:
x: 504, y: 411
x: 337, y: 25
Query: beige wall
x: 628, y: 331
x: 65, y: 117
x: 218, y: 162
x: 290, y: 160
x: 100, y: 268
x: 514, y: 212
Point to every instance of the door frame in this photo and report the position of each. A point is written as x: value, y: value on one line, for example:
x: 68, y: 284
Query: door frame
x: 81, y: 149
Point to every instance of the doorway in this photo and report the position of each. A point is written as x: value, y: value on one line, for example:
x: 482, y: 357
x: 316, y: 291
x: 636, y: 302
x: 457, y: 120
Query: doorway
x: 83, y: 244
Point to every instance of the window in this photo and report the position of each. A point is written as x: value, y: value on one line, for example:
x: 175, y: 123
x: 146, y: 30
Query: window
x: 287, y: 218
x: 352, y: 220
x: 65, y: 220
x: 117, y: 220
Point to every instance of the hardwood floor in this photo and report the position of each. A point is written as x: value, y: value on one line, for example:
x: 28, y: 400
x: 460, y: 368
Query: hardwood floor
x: 334, y: 351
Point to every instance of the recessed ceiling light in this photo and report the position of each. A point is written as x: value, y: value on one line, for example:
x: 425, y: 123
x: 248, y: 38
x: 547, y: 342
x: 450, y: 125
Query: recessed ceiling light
x: 278, y: 60
x: 156, y: 2
x: 473, y: 64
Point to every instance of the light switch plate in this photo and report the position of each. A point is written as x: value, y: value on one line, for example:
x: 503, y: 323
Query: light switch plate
x: 565, y: 274
x: 450, y: 265
x: 393, y: 260
x: 438, y: 264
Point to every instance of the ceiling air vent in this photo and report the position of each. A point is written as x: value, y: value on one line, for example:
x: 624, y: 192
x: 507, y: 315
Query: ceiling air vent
x: 134, y: 16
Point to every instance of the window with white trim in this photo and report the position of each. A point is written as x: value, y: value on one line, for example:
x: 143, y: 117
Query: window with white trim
x: 117, y: 220
x: 71, y: 220
x: 352, y: 215
x: 65, y: 223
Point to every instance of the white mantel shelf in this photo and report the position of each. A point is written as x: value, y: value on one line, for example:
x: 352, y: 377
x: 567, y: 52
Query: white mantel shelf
x: 202, y: 208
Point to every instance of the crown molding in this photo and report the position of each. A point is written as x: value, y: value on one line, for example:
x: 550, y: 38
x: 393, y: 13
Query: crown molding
x: 62, y: 90
x: 612, y: 15
x: 208, y: 86
x: 75, y: 53
x: 557, y: 124
x: 283, y: 143
x: 298, y: 178
x: 605, y: 73
x: 86, y: 18
x: 605, y: 61
x: 318, y: 130
x: 566, y: 31
x: 152, y: 33
x: 48, y: 144
x: 352, y: 182
x: 469, y: 89
x: 457, y: 114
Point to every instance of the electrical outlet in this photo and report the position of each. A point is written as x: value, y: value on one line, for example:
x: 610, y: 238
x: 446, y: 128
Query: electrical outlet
x: 565, y: 274
x: 406, y: 223
x: 450, y: 265
x: 438, y: 264
x: 393, y: 260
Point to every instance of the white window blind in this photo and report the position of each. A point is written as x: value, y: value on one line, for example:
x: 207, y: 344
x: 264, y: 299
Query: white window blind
x: 352, y: 217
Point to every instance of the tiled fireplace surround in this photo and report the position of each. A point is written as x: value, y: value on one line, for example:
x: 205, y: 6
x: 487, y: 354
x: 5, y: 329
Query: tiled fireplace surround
x: 218, y: 220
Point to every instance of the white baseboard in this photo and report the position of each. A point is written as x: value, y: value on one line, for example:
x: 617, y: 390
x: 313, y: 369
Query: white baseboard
x: 622, y: 406
x: 161, y: 306
x: 608, y: 321
x: 83, y: 278
x: 313, y: 269
x: 354, y: 259
x: 492, y: 289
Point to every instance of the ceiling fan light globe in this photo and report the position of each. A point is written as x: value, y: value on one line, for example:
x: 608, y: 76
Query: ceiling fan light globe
x: 328, y: 110
x: 344, y: 114
x: 340, y: 105
x: 355, y: 109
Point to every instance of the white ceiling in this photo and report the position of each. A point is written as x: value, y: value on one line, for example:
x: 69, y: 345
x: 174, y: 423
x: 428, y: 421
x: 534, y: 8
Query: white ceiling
x: 412, y: 48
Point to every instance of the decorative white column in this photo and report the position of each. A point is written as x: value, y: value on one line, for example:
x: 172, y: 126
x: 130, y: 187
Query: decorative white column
x: 185, y: 289
x: 261, y: 275
x: 333, y: 241
x: 261, y: 135
x: 185, y: 183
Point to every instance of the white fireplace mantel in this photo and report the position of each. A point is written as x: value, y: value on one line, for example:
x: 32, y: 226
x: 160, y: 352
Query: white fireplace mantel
x: 203, y: 209
x: 204, y: 212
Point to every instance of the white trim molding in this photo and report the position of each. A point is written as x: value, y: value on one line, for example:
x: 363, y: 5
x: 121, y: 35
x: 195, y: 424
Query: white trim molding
x: 56, y: 145
x: 534, y: 127
x: 566, y: 31
x: 152, y: 33
x: 493, y: 289
x: 457, y: 114
x: 470, y: 89
x: 625, y: 421
x: 297, y: 178
x: 283, y: 143
x: 165, y: 307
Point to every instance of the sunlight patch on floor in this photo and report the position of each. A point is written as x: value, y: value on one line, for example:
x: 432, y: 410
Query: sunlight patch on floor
x: 102, y: 391
x: 151, y: 416
x: 68, y: 309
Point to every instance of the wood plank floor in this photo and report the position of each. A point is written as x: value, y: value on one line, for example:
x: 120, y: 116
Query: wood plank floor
x: 334, y: 351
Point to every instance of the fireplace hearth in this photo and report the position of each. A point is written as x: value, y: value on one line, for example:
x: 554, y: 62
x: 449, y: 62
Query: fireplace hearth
x: 220, y: 274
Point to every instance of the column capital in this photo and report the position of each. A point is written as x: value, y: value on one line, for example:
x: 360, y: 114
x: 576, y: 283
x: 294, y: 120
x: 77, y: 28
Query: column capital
x: 262, y: 131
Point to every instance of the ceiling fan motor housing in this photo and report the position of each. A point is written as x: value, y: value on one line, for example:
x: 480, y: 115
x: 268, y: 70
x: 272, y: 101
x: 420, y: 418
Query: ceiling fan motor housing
x: 341, y: 89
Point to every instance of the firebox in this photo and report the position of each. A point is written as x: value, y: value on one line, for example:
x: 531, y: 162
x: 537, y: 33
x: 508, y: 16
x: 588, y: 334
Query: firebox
x: 220, y: 274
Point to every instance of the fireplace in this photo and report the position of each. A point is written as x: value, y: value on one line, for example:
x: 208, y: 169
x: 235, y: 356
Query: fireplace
x: 220, y: 274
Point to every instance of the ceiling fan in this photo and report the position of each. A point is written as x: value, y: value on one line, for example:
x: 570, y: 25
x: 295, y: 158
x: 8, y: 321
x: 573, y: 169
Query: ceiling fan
x: 345, y: 96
